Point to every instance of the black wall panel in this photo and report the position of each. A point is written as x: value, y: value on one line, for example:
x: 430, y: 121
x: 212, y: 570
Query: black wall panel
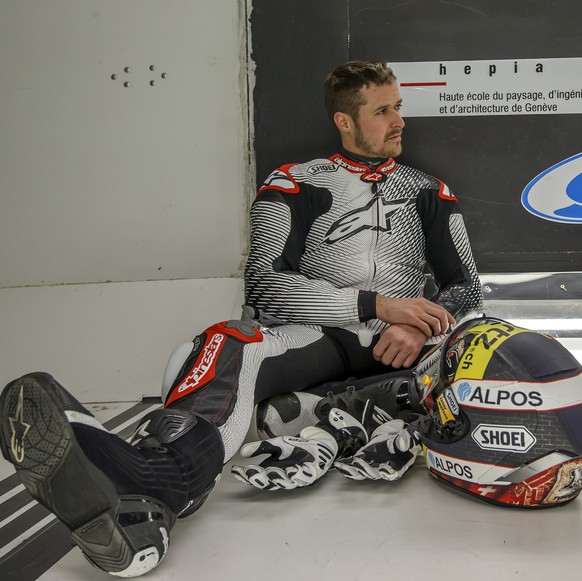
x: 486, y: 160
x: 295, y: 44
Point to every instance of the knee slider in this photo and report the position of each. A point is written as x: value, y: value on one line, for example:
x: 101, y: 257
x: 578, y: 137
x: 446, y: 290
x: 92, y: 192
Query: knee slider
x: 176, y: 364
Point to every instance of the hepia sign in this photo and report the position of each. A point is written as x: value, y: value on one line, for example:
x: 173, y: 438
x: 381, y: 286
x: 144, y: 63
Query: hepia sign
x: 556, y: 193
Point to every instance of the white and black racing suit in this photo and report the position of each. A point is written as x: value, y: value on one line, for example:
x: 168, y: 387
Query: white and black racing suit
x: 326, y: 236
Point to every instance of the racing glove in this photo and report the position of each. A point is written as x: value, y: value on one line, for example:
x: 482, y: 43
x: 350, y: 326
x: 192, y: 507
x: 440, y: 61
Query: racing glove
x: 295, y: 462
x: 391, y: 451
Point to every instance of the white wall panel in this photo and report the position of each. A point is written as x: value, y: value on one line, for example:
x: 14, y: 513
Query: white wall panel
x: 100, y: 182
x: 108, y: 342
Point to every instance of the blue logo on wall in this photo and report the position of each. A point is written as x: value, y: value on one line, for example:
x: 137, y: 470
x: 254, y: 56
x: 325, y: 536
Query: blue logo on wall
x: 464, y: 390
x: 556, y: 194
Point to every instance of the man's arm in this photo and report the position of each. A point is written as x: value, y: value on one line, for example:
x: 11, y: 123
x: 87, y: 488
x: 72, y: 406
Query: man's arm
x: 449, y: 256
x: 273, y: 282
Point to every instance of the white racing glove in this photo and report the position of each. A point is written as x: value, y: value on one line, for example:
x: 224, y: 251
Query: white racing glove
x: 295, y: 462
x: 291, y: 462
x: 391, y: 451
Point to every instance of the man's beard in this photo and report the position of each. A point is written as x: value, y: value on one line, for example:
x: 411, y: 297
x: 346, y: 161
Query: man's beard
x: 387, y: 150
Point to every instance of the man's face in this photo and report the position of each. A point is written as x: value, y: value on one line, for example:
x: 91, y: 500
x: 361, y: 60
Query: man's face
x: 378, y: 126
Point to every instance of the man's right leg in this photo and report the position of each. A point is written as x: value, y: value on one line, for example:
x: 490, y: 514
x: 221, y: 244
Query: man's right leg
x: 120, y: 500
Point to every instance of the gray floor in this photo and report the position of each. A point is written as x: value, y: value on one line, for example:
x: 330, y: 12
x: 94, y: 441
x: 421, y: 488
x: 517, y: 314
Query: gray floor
x: 346, y: 530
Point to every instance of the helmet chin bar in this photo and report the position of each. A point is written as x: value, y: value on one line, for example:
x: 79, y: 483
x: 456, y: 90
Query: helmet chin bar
x: 536, y: 467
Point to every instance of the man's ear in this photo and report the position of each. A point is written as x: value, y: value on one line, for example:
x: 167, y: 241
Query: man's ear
x: 343, y: 122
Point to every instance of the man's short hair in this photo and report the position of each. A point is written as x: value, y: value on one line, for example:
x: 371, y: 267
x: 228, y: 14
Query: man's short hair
x: 342, y: 87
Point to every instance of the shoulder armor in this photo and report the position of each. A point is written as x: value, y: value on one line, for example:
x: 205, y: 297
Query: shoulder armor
x: 444, y: 191
x: 281, y: 180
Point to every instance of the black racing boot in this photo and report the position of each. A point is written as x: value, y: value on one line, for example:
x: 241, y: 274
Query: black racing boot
x: 119, y: 501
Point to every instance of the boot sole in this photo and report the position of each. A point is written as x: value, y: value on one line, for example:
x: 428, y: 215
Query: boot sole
x: 39, y: 441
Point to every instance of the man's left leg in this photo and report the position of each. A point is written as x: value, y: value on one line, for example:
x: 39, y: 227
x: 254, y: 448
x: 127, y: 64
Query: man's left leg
x: 391, y: 395
x: 120, y: 500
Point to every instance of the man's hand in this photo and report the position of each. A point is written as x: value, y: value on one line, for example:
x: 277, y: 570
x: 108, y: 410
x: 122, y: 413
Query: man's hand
x: 399, y: 346
x: 428, y: 317
x: 391, y: 451
x: 290, y: 462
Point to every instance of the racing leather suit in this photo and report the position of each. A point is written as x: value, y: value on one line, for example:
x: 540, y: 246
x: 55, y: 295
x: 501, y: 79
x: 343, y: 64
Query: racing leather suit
x: 326, y: 236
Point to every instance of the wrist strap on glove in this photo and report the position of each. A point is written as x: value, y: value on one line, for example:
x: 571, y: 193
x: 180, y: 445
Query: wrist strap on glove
x: 348, y: 432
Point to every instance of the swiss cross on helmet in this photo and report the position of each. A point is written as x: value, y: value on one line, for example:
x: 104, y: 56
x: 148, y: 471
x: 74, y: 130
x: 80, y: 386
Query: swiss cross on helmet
x: 505, y: 415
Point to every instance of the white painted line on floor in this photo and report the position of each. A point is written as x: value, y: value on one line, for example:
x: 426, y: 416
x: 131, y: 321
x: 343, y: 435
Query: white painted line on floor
x: 7, y: 495
x: 135, y: 418
x: 26, y: 535
x: 17, y: 513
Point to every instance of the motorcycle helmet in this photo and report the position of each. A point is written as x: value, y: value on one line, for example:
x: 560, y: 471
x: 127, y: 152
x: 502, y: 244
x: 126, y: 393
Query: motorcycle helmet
x: 505, y: 415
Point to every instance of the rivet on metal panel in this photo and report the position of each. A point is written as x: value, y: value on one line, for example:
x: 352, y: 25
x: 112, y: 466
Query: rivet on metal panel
x: 487, y: 289
x: 152, y: 83
x: 563, y: 287
x: 127, y: 69
x: 126, y: 84
x: 164, y: 75
x: 152, y: 68
x: 113, y: 77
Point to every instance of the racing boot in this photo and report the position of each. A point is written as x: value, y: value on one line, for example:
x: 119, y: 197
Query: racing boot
x: 119, y: 501
x: 390, y: 396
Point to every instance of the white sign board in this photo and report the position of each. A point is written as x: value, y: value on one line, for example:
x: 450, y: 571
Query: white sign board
x: 490, y: 87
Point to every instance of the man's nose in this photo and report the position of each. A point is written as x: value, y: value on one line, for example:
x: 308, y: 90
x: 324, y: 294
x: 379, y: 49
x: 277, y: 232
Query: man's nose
x: 398, y: 120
